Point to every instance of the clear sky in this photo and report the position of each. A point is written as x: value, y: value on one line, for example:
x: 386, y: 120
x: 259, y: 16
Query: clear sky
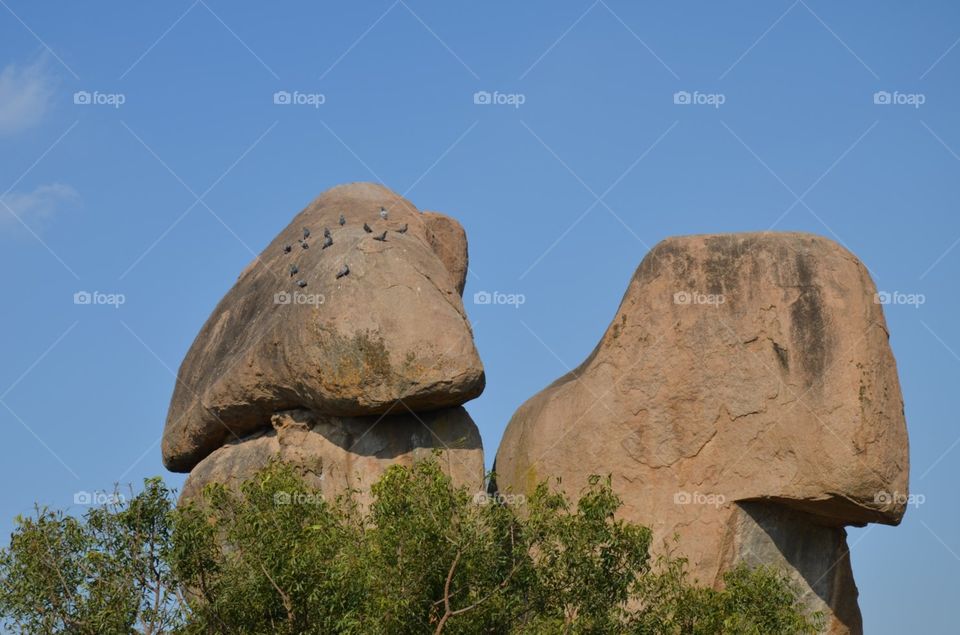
x: 143, y: 154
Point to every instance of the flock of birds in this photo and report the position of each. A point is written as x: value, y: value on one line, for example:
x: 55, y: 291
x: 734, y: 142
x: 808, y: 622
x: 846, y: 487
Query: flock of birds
x: 328, y: 241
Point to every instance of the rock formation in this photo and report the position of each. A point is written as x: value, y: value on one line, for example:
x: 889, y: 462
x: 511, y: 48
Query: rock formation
x: 334, y: 454
x: 745, y: 397
x: 335, y: 351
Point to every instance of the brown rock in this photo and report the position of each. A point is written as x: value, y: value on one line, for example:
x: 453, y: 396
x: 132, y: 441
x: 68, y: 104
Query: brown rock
x: 392, y: 329
x: 335, y: 454
x: 449, y: 241
x: 739, y: 368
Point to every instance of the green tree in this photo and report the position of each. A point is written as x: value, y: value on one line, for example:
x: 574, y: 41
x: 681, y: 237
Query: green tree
x: 423, y: 557
x: 107, y: 573
x: 752, y: 602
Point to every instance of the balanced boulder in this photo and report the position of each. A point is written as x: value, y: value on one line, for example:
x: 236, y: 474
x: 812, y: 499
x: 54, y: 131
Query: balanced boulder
x: 745, y: 397
x: 336, y: 321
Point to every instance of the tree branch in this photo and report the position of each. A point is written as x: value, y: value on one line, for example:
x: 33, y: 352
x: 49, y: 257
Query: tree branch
x: 447, y: 613
x: 287, y: 604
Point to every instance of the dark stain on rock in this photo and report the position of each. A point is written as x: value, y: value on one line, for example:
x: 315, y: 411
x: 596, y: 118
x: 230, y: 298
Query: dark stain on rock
x: 722, y: 266
x: 809, y: 327
x: 665, y: 255
x: 619, y: 326
x: 362, y: 359
x: 783, y: 356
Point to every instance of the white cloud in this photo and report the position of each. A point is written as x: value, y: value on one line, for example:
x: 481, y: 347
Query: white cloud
x: 36, y: 208
x: 25, y: 95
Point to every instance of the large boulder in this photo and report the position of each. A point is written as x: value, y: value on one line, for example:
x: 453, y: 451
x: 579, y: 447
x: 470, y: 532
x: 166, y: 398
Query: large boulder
x: 742, y: 369
x: 391, y: 330
x: 337, y: 454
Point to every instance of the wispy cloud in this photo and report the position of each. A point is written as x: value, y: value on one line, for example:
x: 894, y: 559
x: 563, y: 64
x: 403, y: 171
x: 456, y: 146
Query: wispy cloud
x: 38, y: 207
x: 25, y: 95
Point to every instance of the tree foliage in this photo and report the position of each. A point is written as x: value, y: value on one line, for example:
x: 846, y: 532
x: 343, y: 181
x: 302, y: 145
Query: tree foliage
x: 422, y: 557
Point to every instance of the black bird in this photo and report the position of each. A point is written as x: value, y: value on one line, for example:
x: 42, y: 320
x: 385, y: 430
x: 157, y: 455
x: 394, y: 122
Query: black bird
x: 367, y: 229
x: 326, y: 232
x: 327, y: 242
x: 383, y: 213
x: 402, y: 230
x: 306, y: 233
x: 344, y: 270
x: 343, y: 221
x: 286, y: 249
x: 301, y: 283
x: 304, y: 244
x: 382, y: 237
x: 293, y: 270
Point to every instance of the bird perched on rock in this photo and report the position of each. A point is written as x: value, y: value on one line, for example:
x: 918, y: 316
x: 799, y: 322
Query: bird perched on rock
x: 383, y: 213
x: 343, y: 221
x: 306, y: 233
x: 402, y: 230
x: 327, y: 242
x: 294, y: 269
x: 304, y: 244
x: 301, y: 283
x: 382, y: 237
x: 326, y: 232
x: 367, y: 229
x: 344, y: 270
x: 286, y: 249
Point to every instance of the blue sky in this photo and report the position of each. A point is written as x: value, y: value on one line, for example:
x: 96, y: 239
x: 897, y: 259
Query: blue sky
x: 181, y: 167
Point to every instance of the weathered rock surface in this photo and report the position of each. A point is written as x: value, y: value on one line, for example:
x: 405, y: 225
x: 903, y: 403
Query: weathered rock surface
x: 449, y: 241
x: 335, y: 454
x: 392, y: 329
x: 743, y: 371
